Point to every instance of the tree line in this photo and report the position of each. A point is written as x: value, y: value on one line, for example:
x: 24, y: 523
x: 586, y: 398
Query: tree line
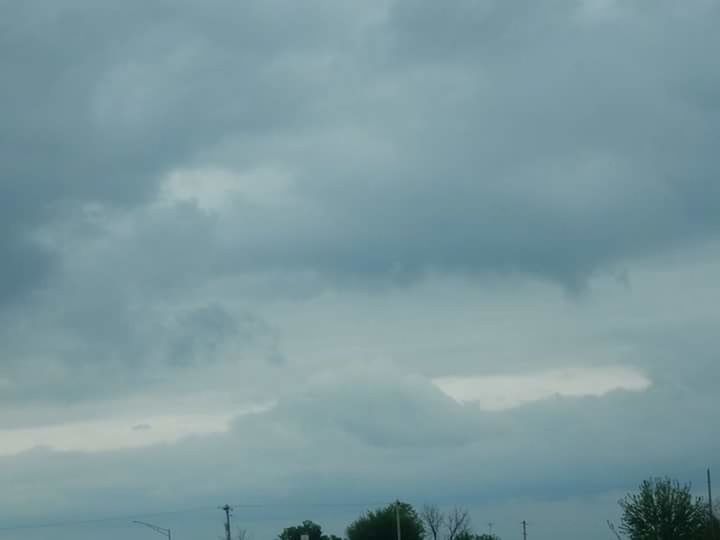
x: 660, y: 509
x: 382, y: 524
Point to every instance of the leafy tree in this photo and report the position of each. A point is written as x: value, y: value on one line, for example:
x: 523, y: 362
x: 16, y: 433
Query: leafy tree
x: 663, y: 510
x: 381, y: 524
x: 313, y: 530
x: 467, y: 535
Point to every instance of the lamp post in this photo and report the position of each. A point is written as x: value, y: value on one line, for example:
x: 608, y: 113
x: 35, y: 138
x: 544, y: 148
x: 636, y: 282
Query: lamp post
x: 159, y: 530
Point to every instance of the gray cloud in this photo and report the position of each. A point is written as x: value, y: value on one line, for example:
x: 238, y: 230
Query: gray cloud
x: 479, y: 116
x: 404, y: 182
x: 418, y: 444
x: 97, y: 103
x: 24, y: 266
x: 463, y: 142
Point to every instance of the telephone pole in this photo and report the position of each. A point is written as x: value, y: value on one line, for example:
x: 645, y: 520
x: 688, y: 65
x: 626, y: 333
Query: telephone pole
x: 227, y: 509
x: 524, y: 530
x: 397, y: 520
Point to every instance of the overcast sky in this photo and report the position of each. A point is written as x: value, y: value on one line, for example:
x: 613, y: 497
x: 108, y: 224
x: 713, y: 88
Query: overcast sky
x: 312, y: 256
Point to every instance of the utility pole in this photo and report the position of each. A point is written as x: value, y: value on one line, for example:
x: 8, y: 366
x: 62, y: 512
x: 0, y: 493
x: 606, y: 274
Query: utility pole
x: 397, y: 520
x: 227, y: 509
x: 524, y: 530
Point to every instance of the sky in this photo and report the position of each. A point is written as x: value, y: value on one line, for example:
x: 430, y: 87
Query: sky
x: 311, y: 257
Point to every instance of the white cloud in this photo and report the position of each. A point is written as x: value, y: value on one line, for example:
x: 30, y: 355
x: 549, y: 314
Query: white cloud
x: 118, y: 433
x: 217, y: 189
x: 500, y: 392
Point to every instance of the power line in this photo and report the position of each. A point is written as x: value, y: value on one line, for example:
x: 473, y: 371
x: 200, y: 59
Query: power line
x: 313, y: 505
x: 160, y: 530
x: 131, y: 517
x: 108, y: 519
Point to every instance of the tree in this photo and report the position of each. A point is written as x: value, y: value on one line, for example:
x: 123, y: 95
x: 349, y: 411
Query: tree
x: 381, y: 524
x: 311, y: 529
x: 663, y: 510
x: 457, y: 523
x: 433, y: 519
x: 468, y: 535
x: 613, y: 530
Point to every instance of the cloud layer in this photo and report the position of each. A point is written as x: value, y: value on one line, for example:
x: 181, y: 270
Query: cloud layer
x: 313, y: 211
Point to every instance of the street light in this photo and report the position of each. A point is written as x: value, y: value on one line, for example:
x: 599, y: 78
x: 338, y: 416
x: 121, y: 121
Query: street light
x: 159, y: 530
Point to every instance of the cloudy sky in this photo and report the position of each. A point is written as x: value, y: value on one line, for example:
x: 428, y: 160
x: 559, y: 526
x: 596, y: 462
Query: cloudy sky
x: 314, y: 256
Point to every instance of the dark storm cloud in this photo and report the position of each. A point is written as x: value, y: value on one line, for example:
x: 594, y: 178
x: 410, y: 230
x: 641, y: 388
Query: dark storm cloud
x: 480, y: 137
x: 199, y: 336
x: 97, y: 100
x: 24, y: 265
x: 539, y: 143
x: 503, y: 148
x: 500, y: 150
x: 114, y: 351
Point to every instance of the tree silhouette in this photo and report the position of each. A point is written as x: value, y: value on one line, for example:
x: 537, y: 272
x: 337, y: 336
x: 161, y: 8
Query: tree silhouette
x: 433, y: 519
x: 381, y: 524
x: 457, y: 524
x: 307, y: 527
x: 663, y: 510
